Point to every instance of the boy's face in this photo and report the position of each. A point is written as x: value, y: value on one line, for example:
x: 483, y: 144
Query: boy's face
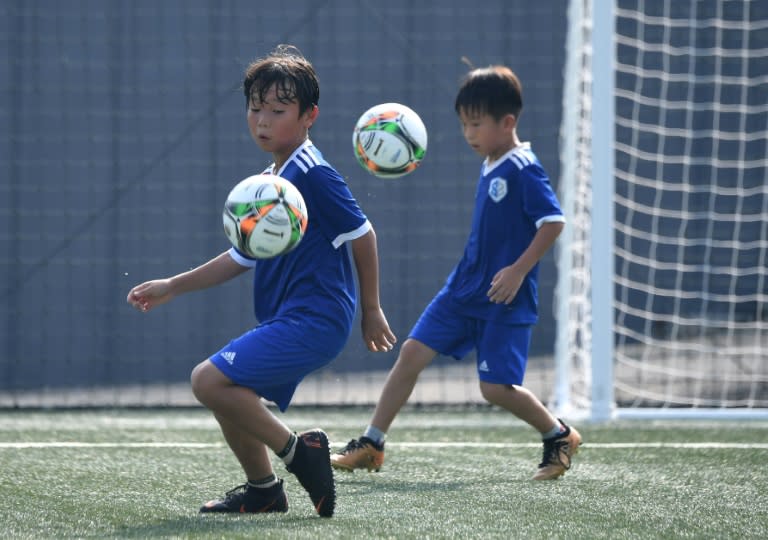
x: 277, y: 126
x: 487, y: 136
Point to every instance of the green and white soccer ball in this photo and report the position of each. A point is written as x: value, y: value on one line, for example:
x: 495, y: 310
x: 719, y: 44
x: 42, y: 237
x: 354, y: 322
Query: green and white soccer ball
x: 389, y: 140
x: 265, y: 216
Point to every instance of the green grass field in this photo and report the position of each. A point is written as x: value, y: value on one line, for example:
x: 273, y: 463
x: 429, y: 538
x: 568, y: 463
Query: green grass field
x: 452, y: 473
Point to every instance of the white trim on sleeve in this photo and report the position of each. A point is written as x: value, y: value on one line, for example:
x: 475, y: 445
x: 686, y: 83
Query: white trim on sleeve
x: 550, y: 219
x: 352, y: 235
x: 239, y: 259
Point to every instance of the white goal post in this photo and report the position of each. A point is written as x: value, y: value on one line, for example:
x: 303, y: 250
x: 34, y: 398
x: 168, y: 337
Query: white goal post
x: 662, y: 295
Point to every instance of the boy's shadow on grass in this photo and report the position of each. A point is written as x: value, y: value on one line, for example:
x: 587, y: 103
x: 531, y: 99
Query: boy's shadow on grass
x: 297, y: 519
x: 224, y: 525
x: 364, y: 485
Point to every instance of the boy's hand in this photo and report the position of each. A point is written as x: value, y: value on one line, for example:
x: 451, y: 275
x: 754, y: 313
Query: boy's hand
x: 505, y: 285
x: 150, y: 294
x: 377, y: 335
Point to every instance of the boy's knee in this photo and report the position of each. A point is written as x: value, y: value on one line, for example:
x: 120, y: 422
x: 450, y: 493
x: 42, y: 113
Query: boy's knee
x: 494, y: 393
x: 201, y: 380
x: 488, y: 391
x: 414, y: 357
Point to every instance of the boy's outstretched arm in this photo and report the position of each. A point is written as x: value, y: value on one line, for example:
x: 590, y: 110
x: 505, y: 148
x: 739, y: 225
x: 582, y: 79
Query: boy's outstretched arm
x: 159, y: 291
x: 376, y: 332
x: 507, y: 281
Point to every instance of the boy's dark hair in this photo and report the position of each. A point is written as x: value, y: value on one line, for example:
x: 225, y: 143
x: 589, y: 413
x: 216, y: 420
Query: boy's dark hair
x: 495, y: 90
x: 289, y: 72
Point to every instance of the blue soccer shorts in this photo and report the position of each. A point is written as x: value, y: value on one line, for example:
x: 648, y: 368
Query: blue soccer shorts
x: 273, y: 358
x: 502, y: 349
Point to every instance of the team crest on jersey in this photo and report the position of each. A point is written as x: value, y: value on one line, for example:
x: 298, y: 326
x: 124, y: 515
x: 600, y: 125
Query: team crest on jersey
x: 497, y: 189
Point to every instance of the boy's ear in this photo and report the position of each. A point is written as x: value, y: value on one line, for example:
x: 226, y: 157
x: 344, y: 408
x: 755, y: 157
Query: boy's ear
x: 510, y: 121
x: 312, y: 115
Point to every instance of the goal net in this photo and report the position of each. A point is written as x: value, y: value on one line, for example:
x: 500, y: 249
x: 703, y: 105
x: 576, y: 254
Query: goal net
x: 663, y: 288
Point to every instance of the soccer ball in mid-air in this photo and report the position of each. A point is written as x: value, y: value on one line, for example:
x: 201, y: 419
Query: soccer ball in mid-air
x: 389, y: 140
x: 265, y: 216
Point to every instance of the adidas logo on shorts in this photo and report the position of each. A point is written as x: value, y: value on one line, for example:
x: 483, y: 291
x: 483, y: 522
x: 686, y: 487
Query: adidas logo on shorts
x: 229, y: 356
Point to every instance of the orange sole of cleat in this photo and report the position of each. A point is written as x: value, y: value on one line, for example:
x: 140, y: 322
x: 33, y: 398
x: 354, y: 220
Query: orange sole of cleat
x: 346, y: 468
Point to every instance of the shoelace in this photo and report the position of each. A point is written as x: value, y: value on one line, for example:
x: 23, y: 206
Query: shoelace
x: 354, y: 444
x: 552, y: 453
x: 234, y: 492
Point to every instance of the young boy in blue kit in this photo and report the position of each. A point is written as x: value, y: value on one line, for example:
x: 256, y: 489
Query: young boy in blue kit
x: 304, y: 301
x: 489, y: 301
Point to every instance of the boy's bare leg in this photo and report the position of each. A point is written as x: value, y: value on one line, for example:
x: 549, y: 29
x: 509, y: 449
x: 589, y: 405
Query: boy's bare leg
x: 521, y: 402
x: 366, y: 453
x: 249, y: 451
x: 240, y: 407
x: 250, y: 428
x: 559, y: 448
x: 413, y: 358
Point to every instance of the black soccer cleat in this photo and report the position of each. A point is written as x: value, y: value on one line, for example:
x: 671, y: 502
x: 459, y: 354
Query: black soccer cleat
x: 245, y: 499
x: 558, y: 453
x: 312, y: 466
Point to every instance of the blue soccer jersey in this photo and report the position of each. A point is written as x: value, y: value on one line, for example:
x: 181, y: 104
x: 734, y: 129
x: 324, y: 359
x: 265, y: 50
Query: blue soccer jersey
x: 316, y: 279
x: 514, y: 198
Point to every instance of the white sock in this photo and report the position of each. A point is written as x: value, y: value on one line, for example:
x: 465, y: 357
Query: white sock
x: 266, y: 482
x: 554, y: 432
x: 375, y: 434
x: 290, y: 450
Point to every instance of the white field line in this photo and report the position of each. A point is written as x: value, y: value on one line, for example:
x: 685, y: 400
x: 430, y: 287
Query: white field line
x: 607, y: 446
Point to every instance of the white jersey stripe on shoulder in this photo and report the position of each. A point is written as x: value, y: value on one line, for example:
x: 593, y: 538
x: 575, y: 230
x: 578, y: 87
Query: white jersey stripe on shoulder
x: 521, y: 159
x: 310, y: 156
x: 301, y: 163
x: 306, y: 160
x: 528, y: 155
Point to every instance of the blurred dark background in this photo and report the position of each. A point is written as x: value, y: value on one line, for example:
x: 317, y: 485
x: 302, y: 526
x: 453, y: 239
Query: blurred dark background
x: 124, y: 129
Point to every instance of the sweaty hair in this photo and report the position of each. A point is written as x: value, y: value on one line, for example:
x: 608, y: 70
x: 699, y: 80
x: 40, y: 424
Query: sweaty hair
x: 494, y: 90
x: 285, y: 69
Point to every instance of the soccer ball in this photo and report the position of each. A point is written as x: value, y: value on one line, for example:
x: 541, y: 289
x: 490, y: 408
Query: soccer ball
x: 389, y: 140
x: 265, y: 216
